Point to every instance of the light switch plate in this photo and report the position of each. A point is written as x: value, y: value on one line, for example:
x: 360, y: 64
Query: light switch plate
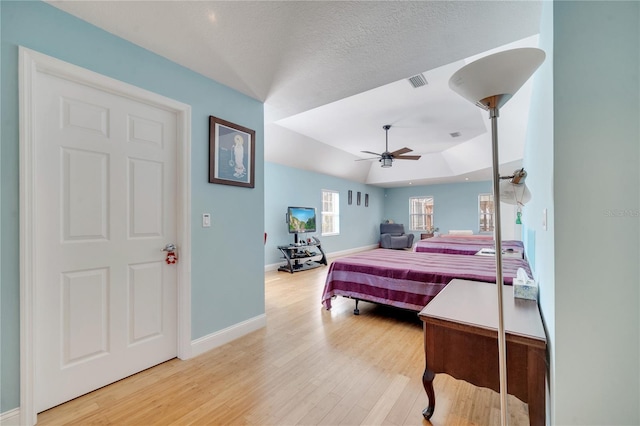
x: 206, y: 220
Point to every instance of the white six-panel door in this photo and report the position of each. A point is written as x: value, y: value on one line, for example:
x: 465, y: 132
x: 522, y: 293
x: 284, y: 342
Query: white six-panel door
x: 105, y: 205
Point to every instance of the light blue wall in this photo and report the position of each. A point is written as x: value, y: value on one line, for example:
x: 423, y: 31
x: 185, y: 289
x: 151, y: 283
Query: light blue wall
x: 222, y: 293
x: 287, y: 186
x: 597, y: 226
x: 455, y: 205
x: 588, y: 177
x: 539, y: 161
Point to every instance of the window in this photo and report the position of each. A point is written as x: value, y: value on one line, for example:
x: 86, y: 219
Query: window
x: 421, y: 213
x: 330, y: 212
x: 485, y: 210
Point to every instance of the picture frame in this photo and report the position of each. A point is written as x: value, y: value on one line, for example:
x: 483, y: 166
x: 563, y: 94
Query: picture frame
x: 350, y: 197
x: 366, y: 200
x: 358, y: 198
x: 231, y: 153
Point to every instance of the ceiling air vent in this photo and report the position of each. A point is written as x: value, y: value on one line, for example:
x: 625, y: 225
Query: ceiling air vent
x: 454, y: 134
x: 417, y: 81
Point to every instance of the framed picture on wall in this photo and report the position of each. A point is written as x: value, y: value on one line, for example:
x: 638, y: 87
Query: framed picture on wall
x: 358, y: 198
x: 350, y: 197
x: 231, y: 153
x: 366, y: 200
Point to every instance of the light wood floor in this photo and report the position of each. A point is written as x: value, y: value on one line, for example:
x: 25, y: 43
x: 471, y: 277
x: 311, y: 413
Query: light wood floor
x: 308, y: 366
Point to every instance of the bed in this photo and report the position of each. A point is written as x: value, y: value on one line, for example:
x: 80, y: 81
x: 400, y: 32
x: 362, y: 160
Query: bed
x: 468, y: 245
x: 408, y: 279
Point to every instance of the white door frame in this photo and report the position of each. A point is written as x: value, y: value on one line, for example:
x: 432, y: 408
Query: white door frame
x: 32, y: 62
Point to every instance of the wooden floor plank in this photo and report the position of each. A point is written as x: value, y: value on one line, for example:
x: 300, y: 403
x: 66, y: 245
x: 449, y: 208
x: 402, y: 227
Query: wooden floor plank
x: 308, y: 366
x: 383, y: 406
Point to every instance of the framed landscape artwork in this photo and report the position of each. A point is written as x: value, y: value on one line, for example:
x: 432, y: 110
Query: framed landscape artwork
x: 231, y: 153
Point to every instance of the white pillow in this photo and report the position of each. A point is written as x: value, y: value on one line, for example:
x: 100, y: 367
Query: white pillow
x: 461, y: 232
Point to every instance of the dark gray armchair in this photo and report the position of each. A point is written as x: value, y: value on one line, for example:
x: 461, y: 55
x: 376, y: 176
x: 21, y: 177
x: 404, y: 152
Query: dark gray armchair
x: 392, y: 236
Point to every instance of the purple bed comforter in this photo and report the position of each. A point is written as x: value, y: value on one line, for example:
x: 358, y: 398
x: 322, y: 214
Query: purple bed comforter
x: 467, y: 246
x: 407, y: 279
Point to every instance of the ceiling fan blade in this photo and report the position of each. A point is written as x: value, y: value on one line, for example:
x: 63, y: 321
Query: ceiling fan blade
x: 366, y: 159
x: 369, y: 152
x: 407, y: 157
x: 401, y: 151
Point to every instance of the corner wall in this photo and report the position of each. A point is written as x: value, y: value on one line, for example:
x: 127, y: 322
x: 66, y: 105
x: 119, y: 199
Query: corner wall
x: 455, y: 204
x: 288, y: 186
x: 223, y: 293
x: 539, y: 164
x: 582, y: 155
x: 597, y: 212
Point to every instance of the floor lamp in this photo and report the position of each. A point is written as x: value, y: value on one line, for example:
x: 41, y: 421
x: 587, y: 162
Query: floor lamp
x: 489, y: 83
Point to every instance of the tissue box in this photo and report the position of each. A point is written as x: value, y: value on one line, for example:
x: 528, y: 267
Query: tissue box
x: 525, y: 289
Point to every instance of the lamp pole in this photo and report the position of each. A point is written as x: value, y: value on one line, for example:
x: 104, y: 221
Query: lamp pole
x: 490, y: 82
x: 497, y: 231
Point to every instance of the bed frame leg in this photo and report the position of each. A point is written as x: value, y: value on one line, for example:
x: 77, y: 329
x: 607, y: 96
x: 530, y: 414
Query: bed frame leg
x: 356, y: 311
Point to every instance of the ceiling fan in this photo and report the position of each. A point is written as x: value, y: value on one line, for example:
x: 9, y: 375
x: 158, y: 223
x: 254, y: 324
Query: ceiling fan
x: 386, y: 158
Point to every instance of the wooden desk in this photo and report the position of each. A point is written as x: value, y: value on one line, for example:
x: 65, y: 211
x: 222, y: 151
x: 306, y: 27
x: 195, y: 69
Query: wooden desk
x: 461, y: 339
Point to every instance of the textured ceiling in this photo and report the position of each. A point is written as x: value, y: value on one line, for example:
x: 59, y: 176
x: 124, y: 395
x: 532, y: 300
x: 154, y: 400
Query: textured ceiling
x: 332, y: 73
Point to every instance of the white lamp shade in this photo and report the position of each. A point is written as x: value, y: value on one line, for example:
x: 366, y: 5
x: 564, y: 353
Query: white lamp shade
x: 502, y: 73
x: 514, y: 194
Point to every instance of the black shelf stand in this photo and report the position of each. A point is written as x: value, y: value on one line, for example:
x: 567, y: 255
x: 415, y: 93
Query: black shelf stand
x: 302, y: 256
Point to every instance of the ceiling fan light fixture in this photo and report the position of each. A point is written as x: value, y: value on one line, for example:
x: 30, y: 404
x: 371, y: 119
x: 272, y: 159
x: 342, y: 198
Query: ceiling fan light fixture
x: 386, y: 158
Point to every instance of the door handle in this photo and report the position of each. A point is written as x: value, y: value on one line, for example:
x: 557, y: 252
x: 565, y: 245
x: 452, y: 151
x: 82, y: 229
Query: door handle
x: 169, y: 247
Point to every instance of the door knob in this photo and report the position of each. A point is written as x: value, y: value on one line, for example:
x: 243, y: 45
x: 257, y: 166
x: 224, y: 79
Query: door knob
x: 169, y: 247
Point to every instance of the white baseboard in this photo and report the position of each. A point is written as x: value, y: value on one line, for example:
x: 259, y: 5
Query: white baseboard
x: 213, y: 340
x: 219, y: 338
x: 351, y: 251
x: 198, y: 346
x: 10, y: 418
x: 272, y: 267
x: 275, y: 266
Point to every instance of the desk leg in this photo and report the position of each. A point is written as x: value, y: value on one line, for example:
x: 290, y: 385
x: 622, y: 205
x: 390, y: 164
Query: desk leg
x: 537, y: 370
x: 427, y: 382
